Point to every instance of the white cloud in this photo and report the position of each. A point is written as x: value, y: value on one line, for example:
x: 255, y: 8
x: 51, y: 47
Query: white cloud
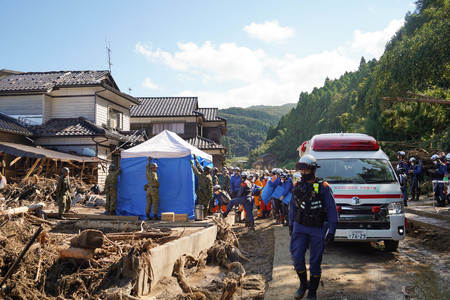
x: 373, y: 43
x: 269, y: 31
x: 255, y: 78
x: 148, y: 84
x: 226, y: 61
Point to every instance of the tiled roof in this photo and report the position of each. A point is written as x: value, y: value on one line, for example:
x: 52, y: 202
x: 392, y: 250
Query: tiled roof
x: 77, y: 127
x: 43, y: 81
x: 165, y: 106
x: 204, y: 143
x: 210, y: 114
x: 11, y: 125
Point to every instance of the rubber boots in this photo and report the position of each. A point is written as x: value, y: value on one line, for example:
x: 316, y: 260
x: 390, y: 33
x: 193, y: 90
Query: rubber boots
x: 148, y: 217
x: 303, y: 285
x: 313, y: 286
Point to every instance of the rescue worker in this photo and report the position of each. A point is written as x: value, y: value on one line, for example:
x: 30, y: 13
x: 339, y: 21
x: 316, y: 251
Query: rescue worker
x: 62, y: 193
x: 111, y: 189
x: 414, y: 172
x: 244, y: 198
x: 205, y: 186
x: 257, y: 194
x: 312, y: 221
x: 224, y: 180
x: 265, y: 208
x: 402, y: 171
x: 276, y: 203
x: 152, y: 188
x: 215, y: 179
x: 221, y: 199
x: 287, y: 185
x: 437, y: 173
x: 235, y: 182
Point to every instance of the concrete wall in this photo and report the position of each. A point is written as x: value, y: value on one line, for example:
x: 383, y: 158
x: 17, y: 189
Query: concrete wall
x: 164, y: 256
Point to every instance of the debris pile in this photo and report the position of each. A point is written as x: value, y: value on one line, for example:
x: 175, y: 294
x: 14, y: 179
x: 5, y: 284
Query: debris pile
x: 92, y: 264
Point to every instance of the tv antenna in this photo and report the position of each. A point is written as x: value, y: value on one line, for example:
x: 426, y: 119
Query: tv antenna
x: 108, y: 50
x: 129, y: 91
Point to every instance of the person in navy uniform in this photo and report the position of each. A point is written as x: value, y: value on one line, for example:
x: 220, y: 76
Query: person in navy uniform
x: 437, y: 173
x: 415, y: 170
x: 312, y: 222
x: 402, y: 172
x: 244, y: 197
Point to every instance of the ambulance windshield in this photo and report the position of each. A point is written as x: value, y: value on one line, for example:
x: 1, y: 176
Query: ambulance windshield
x: 355, y: 170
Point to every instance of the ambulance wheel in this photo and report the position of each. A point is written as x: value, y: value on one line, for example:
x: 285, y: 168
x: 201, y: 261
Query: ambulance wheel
x: 390, y: 246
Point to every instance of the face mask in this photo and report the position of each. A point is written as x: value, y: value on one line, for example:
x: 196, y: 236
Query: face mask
x: 282, y: 180
x: 412, y: 164
x: 308, y: 177
x: 265, y: 177
x: 435, y: 162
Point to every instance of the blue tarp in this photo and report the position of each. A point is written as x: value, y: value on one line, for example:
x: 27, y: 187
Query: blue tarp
x: 176, y: 190
x: 266, y: 193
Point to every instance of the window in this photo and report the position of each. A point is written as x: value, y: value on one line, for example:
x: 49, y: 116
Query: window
x: 355, y: 170
x: 174, y: 127
x: 115, y: 119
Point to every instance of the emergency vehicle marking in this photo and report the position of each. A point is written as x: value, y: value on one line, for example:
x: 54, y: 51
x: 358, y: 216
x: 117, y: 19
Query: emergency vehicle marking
x: 356, y: 187
x: 389, y: 196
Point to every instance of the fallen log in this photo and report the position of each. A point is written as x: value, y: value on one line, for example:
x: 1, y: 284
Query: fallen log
x: 23, y: 209
x: 72, y: 252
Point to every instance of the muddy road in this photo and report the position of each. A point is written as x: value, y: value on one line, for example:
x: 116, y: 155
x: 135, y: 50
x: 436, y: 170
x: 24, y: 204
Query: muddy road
x: 366, y: 271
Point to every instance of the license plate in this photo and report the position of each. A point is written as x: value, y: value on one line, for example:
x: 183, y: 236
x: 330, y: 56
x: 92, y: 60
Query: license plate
x: 357, y: 234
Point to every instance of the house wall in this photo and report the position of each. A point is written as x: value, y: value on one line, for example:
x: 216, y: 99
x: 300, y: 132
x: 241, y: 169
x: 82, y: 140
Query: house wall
x: 102, y: 106
x: 190, y: 124
x: 23, y: 105
x: 213, y: 133
x: 48, y: 108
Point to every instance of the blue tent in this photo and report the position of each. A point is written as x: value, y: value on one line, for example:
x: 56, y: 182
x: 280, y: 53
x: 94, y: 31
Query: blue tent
x: 173, y: 156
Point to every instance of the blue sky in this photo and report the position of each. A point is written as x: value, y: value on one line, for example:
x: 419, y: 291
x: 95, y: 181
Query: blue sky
x: 227, y: 53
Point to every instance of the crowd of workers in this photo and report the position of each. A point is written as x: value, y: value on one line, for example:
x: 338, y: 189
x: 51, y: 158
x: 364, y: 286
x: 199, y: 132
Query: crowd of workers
x: 411, y: 172
x: 305, y: 204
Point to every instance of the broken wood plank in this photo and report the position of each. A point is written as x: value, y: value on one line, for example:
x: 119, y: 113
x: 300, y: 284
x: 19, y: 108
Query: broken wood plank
x: 71, y: 252
x: 93, y: 216
x: 32, y: 169
x: 14, y: 161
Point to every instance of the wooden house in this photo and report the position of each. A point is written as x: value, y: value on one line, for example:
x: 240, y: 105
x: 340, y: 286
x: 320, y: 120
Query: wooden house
x: 78, y: 112
x: 201, y: 127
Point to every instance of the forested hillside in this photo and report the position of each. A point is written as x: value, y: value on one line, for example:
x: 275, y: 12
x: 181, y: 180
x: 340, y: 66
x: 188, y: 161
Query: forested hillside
x: 247, y: 127
x: 416, y: 62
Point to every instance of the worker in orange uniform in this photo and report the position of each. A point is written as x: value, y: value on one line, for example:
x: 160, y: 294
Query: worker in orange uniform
x: 265, y: 208
x: 257, y: 194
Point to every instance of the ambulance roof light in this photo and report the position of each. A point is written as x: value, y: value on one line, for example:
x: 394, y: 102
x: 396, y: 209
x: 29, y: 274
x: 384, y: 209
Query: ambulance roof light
x: 344, y: 142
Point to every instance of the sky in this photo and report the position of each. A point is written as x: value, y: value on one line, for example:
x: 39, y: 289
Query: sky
x: 227, y: 53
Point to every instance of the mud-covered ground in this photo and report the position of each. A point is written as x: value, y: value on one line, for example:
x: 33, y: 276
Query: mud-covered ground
x: 418, y: 270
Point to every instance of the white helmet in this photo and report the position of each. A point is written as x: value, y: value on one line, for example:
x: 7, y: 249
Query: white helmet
x: 412, y: 159
x: 448, y: 156
x: 244, y: 175
x: 307, y: 162
x: 434, y: 157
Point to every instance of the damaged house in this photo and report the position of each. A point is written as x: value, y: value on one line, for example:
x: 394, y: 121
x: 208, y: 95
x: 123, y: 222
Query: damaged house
x: 82, y: 113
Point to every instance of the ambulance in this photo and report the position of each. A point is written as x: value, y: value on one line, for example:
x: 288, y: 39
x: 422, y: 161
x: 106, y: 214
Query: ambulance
x: 365, y: 186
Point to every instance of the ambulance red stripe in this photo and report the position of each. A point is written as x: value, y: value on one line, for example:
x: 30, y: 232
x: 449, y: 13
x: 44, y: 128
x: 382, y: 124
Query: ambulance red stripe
x: 371, y: 196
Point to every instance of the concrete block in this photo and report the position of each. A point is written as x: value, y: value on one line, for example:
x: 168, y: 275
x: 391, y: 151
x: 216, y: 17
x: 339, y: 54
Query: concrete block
x: 181, y: 217
x: 168, y: 216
